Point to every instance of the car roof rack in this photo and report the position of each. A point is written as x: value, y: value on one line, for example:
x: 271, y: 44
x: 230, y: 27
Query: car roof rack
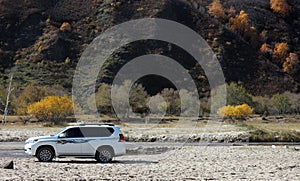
x: 97, y: 124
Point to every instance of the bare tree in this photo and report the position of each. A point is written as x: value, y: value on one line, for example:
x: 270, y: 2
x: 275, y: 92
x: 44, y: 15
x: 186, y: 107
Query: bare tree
x: 7, y: 101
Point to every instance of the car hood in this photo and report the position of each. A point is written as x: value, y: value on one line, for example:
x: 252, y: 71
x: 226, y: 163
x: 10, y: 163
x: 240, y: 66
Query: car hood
x: 42, y: 138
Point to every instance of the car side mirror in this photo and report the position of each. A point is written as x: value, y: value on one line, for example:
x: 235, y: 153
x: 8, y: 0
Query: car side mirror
x: 62, y: 135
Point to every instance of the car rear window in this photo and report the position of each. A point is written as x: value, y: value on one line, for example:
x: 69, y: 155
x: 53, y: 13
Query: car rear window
x: 97, y: 132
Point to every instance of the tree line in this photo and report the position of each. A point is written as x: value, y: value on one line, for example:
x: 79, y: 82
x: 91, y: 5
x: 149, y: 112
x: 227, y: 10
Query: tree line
x: 54, y: 104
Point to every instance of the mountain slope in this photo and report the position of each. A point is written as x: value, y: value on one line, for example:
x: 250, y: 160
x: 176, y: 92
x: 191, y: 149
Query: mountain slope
x: 41, y: 41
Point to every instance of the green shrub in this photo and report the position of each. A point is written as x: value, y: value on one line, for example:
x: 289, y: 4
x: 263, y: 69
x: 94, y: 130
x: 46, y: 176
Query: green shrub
x: 282, y: 103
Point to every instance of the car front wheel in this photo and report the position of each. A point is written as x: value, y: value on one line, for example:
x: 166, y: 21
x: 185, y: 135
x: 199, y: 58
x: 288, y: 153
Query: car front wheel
x: 45, y: 154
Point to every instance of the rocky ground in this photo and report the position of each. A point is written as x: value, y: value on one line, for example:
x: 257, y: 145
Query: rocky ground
x: 16, y: 134
x: 142, y: 133
x: 190, y: 163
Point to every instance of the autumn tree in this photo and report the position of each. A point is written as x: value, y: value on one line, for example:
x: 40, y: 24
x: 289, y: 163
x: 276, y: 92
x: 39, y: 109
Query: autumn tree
x: 266, y: 50
x: 216, y: 10
x: 280, y: 6
x: 172, y: 99
x: 239, y: 111
x: 34, y: 93
x: 295, y: 102
x: 240, y: 22
x: 280, y: 53
x: 137, y: 98
x: 103, y: 99
x: 281, y: 102
x: 261, y: 105
x: 291, y: 64
x: 236, y: 95
x: 52, y: 108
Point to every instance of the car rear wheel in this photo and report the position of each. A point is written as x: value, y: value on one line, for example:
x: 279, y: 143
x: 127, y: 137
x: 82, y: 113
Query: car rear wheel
x: 104, y: 155
x: 45, y: 154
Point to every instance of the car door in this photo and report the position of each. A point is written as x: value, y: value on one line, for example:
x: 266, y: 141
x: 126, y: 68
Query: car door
x: 70, y: 142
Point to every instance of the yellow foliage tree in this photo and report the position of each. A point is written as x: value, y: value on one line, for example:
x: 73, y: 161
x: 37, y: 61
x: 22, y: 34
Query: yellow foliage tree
x: 52, y: 108
x: 238, y: 111
x: 280, y: 52
x: 291, y: 64
x: 216, y: 10
x: 240, y: 23
x: 226, y: 111
x: 280, y: 6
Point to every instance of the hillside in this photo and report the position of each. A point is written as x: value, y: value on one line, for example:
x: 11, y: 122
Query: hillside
x: 41, y: 41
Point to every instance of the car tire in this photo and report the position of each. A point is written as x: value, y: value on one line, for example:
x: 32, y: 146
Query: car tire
x: 45, y: 154
x: 104, y: 155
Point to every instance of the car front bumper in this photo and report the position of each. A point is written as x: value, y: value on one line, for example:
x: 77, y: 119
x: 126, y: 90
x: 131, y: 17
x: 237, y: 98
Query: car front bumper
x: 28, y: 149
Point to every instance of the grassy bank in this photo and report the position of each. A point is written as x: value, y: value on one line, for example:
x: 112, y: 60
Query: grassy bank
x: 261, y: 131
x: 253, y: 130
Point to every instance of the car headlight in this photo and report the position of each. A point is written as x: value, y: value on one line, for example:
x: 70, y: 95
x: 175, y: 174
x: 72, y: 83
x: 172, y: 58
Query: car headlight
x: 31, y: 141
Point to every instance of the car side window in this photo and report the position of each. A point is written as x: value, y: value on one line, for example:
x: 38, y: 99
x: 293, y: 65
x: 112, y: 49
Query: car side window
x: 73, y: 133
x: 97, y: 131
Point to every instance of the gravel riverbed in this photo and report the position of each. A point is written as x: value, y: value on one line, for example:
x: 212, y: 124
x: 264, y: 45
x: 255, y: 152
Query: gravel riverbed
x: 185, y: 163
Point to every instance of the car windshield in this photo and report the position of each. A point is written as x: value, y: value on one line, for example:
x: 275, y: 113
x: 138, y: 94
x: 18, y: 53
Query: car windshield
x: 58, y: 132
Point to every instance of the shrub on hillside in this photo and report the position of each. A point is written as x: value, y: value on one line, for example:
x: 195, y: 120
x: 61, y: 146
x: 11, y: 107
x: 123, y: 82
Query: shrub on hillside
x: 52, y: 108
x: 291, y: 64
x: 240, y: 22
x: 65, y: 26
x: 280, y: 53
x: 266, y: 50
x: 217, y: 10
x: 280, y: 6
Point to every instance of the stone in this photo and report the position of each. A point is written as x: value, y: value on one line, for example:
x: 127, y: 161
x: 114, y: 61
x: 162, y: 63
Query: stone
x: 9, y: 165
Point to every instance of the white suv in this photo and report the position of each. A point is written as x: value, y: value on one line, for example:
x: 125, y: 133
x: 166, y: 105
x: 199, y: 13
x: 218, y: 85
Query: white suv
x: 102, y: 142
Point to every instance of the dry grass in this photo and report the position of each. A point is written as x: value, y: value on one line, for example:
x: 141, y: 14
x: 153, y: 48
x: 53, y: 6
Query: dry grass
x: 272, y: 131
x: 275, y: 126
